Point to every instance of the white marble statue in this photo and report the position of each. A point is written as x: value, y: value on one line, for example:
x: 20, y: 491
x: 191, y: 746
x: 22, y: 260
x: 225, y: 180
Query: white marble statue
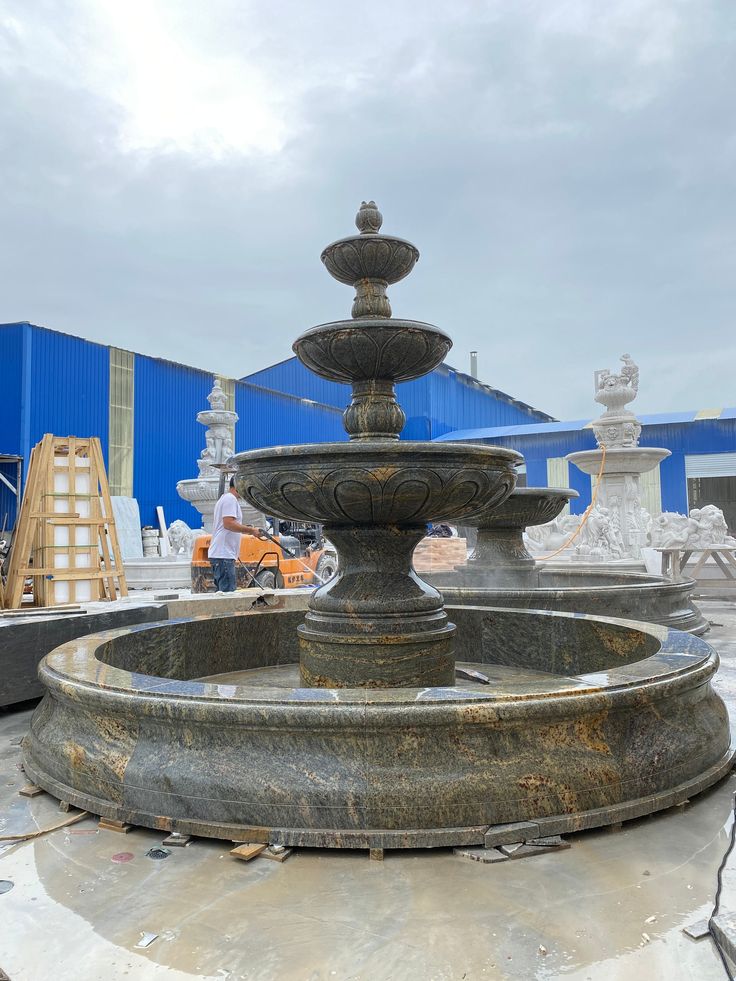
x: 620, y: 528
x: 617, y: 426
x: 202, y: 491
x: 701, y: 528
x: 600, y: 537
x: 181, y: 538
x: 549, y: 537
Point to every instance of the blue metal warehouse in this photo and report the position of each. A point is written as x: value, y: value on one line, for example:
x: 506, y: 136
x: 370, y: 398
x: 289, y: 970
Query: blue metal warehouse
x: 441, y: 401
x: 701, y: 469
x: 144, y: 411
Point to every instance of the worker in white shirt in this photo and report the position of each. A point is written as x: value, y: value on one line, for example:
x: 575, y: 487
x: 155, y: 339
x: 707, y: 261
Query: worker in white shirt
x: 225, y: 543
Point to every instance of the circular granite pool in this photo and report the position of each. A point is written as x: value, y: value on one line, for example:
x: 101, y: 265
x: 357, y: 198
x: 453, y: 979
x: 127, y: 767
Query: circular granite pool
x: 198, y: 725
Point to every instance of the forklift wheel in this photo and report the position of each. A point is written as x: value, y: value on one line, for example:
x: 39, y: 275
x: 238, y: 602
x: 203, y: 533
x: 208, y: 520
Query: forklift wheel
x: 268, y: 579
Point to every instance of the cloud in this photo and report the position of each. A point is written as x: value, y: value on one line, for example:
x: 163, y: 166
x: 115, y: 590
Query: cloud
x: 172, y: 170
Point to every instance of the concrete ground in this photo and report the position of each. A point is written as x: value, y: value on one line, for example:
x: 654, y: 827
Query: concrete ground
x: 611, y: 907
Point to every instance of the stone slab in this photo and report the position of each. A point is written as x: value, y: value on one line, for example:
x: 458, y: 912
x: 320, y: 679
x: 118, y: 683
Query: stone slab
x: 284, y: 853
x: 723, y: 928
x: 128, y: 526
x: 506, y: 834
x: 698, y: 930
x: 25, y: 642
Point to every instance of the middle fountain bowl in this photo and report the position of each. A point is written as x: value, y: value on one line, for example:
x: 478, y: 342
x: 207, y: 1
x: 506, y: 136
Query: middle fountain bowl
x: 370, y: 483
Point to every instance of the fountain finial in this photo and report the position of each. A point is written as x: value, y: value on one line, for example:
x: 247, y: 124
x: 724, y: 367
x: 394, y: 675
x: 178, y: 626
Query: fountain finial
x: 368, y: 219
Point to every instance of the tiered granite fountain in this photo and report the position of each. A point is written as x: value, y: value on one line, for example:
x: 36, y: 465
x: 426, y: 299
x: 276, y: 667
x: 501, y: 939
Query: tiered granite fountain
x: 378, y: 720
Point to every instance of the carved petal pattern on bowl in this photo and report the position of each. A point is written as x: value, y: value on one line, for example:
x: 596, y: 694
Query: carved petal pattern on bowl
x: 358, y: 350
x: 373, y: 491
x: 368, y: 257
x: 526, y: 507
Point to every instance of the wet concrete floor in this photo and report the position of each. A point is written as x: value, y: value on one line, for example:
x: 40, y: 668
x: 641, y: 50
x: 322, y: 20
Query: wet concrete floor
x: 611, y: 907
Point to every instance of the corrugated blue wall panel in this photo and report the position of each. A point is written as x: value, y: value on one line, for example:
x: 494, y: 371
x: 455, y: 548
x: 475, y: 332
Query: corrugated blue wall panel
x: 69, y: 388
x: 293, y: 378
x: 673, y: 483
x: 580, y: 482
x: 167, y: 438
x: 11, y: 359
x: 681, y: 438
x: 459, y: 401
x: 438, y: 403
x: 270, y: 418
x: 8, y: 500
x: 536, y: 471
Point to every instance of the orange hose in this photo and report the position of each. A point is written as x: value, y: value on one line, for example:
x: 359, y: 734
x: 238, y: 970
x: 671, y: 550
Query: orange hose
x: 586, y: 513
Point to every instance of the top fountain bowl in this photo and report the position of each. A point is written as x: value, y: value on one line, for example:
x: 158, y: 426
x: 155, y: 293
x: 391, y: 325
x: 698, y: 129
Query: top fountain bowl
x: 370, y: 256
x: 376, y: 482
x: 372, y: 348
x: 525, y: 507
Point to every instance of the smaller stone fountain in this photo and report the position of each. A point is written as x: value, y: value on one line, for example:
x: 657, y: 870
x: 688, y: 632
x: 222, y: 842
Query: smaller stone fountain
x: 202, y: 491
x: 500, y: 555
x: 617, y: 526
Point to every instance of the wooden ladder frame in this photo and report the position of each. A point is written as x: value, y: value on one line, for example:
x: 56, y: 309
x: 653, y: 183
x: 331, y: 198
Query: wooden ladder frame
x: 33, y: 540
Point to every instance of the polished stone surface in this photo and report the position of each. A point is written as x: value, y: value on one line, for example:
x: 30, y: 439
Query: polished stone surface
x: 415, y: 916
x: 581, y: 715
x: 25, y: 642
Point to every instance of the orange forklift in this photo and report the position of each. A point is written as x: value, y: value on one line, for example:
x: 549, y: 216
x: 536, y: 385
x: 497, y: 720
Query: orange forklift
x: 281, y: 562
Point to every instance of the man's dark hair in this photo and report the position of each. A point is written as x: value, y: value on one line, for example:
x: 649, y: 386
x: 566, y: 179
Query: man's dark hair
x: 232, y: 482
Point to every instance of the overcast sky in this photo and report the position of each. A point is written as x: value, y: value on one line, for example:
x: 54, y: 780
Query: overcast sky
x: 171, y: 169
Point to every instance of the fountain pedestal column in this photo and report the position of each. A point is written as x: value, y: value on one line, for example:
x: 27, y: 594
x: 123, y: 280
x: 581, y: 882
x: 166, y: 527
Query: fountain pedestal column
x: 377, y: 624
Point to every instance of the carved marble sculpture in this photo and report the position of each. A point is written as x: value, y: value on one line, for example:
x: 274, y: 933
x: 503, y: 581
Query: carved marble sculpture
x: 552, y: 535
x: 202, y: 492
x: 181, y: 538
x: 618, y: 527
x: 600, y: 537
x: 700, y: 529
x: 376, y: 624
x: 617, y: 426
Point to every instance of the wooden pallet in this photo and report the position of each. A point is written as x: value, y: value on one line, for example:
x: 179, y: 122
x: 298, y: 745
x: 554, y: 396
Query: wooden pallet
x: 65, y: 538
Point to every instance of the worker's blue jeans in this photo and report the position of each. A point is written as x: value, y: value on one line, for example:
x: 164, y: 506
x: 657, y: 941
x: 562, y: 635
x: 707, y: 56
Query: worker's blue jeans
x: 224, y: 572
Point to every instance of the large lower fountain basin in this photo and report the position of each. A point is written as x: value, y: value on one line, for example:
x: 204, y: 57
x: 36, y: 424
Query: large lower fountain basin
x: 197, y: 726
x: 631, y: 596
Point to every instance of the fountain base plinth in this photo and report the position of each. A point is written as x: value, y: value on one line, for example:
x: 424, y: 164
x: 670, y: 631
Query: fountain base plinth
x: 376, y: 624
x: 377, y: 652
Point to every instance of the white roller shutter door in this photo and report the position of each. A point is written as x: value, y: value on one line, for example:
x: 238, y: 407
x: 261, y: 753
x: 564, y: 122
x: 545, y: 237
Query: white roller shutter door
x: 710, y: 465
